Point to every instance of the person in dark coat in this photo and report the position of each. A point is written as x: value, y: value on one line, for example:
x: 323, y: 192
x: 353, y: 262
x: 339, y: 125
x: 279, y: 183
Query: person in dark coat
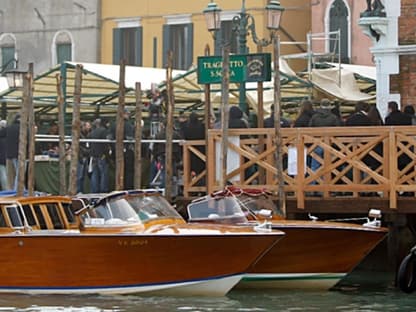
x: 236, y: 120
x: 395, y: 117
x: 375, y: 116
x: 410, y: 110
x: 84, y: 156
x: 195, y: 130
x: 99, y: 164
x: 398, y: 118
x: 269, y: 121
x: 322, y: 118
x: 305, y: 114
x: 357, y: 119
x: 3, y: 148
x: 12, y: 152
x: 360, y: 116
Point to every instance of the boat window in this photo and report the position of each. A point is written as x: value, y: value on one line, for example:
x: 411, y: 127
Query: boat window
x: 14, y: 216
x: 29, y: 215
x: 255, y: 204
x: 153, y: 206
x: 68, y: 212
x: 2, y: 219
x: 39, y: 215
x: 103, y: 211
x: 215, y: 208
x: 53, y: 211
x: 114, y: 211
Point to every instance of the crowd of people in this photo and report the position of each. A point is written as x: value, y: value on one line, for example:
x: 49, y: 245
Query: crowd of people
x: 95, y: 156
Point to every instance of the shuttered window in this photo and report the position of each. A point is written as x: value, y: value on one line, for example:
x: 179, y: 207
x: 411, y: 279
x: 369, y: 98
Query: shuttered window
x: 178, y: 38
x: 7, y: 58
x: 227, y: 36
x: 63, y: 52
x: 128, y: 45
x: 338, y: 20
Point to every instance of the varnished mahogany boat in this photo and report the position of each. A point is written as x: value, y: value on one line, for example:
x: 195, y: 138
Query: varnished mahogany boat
x: 314, y: 254
x: 105, y: 247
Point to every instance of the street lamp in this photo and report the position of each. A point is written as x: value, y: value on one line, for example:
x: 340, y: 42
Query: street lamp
x: 243, y: 25
x: 15, y: 78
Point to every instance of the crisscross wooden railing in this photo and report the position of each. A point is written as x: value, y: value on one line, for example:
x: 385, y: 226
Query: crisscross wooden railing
x: 355, y: 161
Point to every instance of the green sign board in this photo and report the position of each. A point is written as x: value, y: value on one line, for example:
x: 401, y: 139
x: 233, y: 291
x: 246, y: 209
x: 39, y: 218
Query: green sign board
x: 243, y: 68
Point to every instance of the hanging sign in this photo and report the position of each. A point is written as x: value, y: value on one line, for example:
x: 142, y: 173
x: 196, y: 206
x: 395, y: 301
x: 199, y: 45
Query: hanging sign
x: 243, y: 68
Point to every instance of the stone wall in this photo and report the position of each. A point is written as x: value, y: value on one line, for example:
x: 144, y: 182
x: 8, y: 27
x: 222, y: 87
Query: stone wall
x: 405, y: 82
x: 407, y: 22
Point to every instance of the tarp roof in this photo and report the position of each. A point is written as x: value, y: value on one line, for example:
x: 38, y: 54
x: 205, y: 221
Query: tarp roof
x: 100, y: 83
x: 364, y: 71
x: 339, y: 84
x: 3, y: 84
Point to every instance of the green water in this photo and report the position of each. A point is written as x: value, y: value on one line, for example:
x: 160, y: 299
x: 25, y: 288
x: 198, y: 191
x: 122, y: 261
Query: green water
x: 361, y: 291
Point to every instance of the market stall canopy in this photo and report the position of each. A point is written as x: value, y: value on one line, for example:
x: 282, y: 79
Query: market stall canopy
x: 339, y: 83
x: 3, y: 84
x: 100, y: 87
x: 368, y: 72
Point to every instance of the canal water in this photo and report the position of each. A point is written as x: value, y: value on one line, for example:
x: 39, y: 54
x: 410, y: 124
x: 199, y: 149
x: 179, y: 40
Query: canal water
x: 361, y: 291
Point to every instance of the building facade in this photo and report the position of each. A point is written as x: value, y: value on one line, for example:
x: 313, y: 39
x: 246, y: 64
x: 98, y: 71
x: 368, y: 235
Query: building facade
x: 46, y: 33
x: 142, y: 32
x: 394, y: 51
x: 331, y: 15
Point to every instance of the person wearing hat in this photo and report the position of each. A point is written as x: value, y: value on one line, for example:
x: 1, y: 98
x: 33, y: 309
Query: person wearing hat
x: 324, y: 117
x: 3, y: 148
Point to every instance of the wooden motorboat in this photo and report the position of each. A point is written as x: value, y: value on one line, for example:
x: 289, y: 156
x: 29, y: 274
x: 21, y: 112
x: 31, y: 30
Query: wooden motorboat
x: 314, y: 254
x: 60, y: 245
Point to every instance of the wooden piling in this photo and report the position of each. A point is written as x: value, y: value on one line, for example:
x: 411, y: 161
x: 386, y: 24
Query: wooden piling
x: 138, y: 138
x: 23, y: 136
x: 32, y: 133
x: 169, y: 130
x: 61, y: 132
x: 225, y: 113
x: 119, y: 185
x: 76, y: 130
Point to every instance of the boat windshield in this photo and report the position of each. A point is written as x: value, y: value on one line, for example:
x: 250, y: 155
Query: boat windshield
x: 113, y: 211
x: 149, y: 207
x: 216, y: 208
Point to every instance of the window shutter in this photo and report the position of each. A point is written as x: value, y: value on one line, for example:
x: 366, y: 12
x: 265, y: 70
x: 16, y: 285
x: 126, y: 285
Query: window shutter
x: 7, y: 57
x: 116, y: 46
x: 166, y: 44
x: 218, y: 42
x: 190, y: 46
x: 63, y: 52
x: 139, y: 46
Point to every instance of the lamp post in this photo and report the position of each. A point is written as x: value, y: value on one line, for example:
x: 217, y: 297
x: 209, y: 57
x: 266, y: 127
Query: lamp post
x: 243, y: 25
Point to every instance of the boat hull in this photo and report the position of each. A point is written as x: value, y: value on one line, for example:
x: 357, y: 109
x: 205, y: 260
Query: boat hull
x: 121, y: 264
x: 313, y: 255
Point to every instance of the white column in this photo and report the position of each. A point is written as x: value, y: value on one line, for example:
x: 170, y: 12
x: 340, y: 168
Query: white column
x: 386, y: 51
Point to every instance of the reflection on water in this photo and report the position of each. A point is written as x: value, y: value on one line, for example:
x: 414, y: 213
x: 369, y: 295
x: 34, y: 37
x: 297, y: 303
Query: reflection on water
x: 362, y: 291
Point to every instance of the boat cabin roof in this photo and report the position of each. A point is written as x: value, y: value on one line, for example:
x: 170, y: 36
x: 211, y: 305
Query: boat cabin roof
x: 36, y: 213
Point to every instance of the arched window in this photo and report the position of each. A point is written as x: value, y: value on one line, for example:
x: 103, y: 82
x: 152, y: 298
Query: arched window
x: 7, y: 52
x: 339, y: 19
x: 62, y: 47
